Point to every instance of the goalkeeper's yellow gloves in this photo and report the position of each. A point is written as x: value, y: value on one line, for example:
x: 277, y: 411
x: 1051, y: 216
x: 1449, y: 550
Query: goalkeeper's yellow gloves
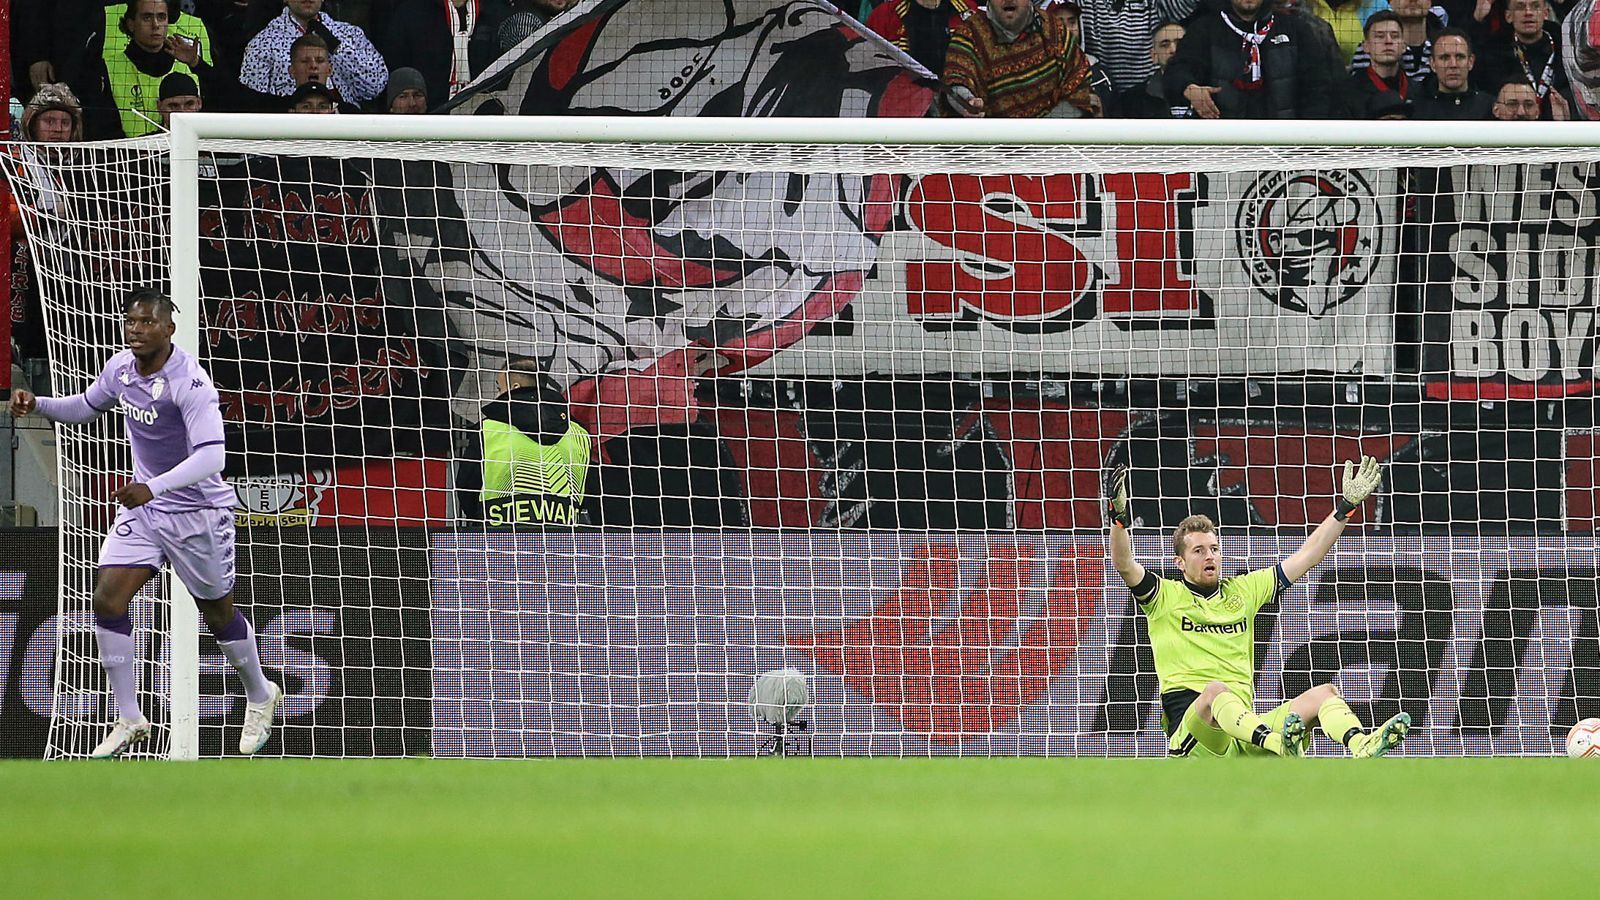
x: 1360, y: 480
x: 1117, y: 498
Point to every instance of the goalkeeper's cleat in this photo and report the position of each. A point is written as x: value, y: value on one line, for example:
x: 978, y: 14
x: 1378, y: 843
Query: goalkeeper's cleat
x: 258, y: 722
x: 1383, y: 739
x: 124, y: 735
x: 1293, y: 733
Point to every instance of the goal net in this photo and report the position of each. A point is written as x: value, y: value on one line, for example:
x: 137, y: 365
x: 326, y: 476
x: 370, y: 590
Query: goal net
x: 840, y: 397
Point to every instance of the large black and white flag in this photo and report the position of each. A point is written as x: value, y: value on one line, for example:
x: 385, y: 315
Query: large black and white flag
x: 597, y: 269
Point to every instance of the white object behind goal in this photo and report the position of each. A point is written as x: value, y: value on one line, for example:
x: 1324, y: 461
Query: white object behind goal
x: 852, y: 386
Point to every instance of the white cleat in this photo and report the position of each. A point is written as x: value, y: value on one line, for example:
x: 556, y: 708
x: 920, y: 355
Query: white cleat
x: 258, y: 722
x: 124, y: 734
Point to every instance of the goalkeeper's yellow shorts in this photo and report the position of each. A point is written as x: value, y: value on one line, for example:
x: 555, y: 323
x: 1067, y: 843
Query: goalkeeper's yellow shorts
x: 1195, y: 738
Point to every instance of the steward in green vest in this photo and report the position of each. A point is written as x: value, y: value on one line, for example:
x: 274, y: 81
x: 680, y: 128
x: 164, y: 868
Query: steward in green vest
x: 155, y: 46
x: 535, y: 458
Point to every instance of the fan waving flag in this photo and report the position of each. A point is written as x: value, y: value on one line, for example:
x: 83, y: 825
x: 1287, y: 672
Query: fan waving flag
x: 596, y: 270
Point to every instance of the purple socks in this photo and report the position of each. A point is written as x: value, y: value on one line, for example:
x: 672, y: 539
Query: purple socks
x: 117, y: 657
x: 238, y: 643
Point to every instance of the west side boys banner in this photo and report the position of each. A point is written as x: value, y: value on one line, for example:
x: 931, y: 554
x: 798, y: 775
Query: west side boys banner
x: 1510, y: 296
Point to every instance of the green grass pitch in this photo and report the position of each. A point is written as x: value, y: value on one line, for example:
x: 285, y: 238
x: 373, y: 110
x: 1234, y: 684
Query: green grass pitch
x: 801, y: 828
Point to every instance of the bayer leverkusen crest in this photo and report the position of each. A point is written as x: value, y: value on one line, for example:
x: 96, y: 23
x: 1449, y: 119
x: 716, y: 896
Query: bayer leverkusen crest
x: 1308, y: 238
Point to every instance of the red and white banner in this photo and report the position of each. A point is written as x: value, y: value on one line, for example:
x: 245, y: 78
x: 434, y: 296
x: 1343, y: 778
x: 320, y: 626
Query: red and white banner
x: 1127, y: 273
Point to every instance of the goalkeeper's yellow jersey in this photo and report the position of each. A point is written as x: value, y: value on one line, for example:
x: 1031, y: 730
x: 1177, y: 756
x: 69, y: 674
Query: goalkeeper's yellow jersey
x: 1200, y: 639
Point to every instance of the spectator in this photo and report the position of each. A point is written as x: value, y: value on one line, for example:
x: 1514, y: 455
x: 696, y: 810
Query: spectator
x: 147, y: 54
x: 524, y: 20
x: 449, y: 41
x: 359, y: 72
x: 309, y: 59
x: 1418, y: 25
x: 1516, y: 102
x: 313, y: 97
x: 1448, y: 92
x: 179, y: 93
x: 407, y: 93
x: 181, y: 21
x: 1012, y: 62
x: 1118, y: 34
x: 920, y: 27
x: 1532, y: 52
x: 1384, y: 45
x: 1070, y: 15
x: 1244, y: 62
x: 53, y: 116
x: 1149, y: 99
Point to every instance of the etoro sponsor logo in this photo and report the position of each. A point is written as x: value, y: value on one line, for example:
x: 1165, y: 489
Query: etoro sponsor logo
x: 1308, y: 238
x: 137, y: 413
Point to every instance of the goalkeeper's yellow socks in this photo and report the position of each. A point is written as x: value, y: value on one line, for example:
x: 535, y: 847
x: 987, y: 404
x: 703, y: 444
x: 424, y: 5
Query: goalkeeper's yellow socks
x: 1238, y: 722
x: 1338, y: 722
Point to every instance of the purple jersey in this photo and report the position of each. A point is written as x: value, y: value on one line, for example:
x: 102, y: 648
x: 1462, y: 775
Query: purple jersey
x: 167, y: 417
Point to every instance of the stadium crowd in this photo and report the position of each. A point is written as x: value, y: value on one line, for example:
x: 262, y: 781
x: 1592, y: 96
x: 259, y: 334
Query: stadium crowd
x: 124, y: 65
x: 121, y: 66
x: 1239, y: 59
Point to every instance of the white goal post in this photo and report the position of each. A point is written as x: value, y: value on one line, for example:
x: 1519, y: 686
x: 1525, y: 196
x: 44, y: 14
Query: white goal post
x: 1308, y: 334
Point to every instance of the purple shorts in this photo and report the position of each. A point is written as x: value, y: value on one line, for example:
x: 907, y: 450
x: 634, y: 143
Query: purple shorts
x: 198, y: 543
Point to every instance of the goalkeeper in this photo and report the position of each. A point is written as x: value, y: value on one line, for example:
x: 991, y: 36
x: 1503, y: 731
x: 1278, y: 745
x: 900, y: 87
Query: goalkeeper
x: 1202, y: 632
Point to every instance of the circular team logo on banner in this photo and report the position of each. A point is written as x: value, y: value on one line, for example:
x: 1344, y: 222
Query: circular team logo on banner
x: 1307, y: 238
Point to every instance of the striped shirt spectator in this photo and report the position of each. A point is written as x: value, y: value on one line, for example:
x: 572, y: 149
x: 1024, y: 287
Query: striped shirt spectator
x: 1118, y: 34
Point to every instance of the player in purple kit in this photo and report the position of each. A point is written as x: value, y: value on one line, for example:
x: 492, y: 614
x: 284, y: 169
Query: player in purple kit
x: 176, y: 510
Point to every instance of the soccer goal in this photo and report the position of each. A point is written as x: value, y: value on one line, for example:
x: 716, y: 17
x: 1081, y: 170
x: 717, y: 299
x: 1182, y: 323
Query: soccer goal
x: 840, y: 396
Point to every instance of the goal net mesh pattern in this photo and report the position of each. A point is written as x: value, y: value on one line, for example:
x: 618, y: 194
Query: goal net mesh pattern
x: 846, y: 409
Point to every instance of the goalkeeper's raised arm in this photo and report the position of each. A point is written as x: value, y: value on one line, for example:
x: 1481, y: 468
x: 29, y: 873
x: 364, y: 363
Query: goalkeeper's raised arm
x: 1121, y: 520
x: 1360, y: 480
